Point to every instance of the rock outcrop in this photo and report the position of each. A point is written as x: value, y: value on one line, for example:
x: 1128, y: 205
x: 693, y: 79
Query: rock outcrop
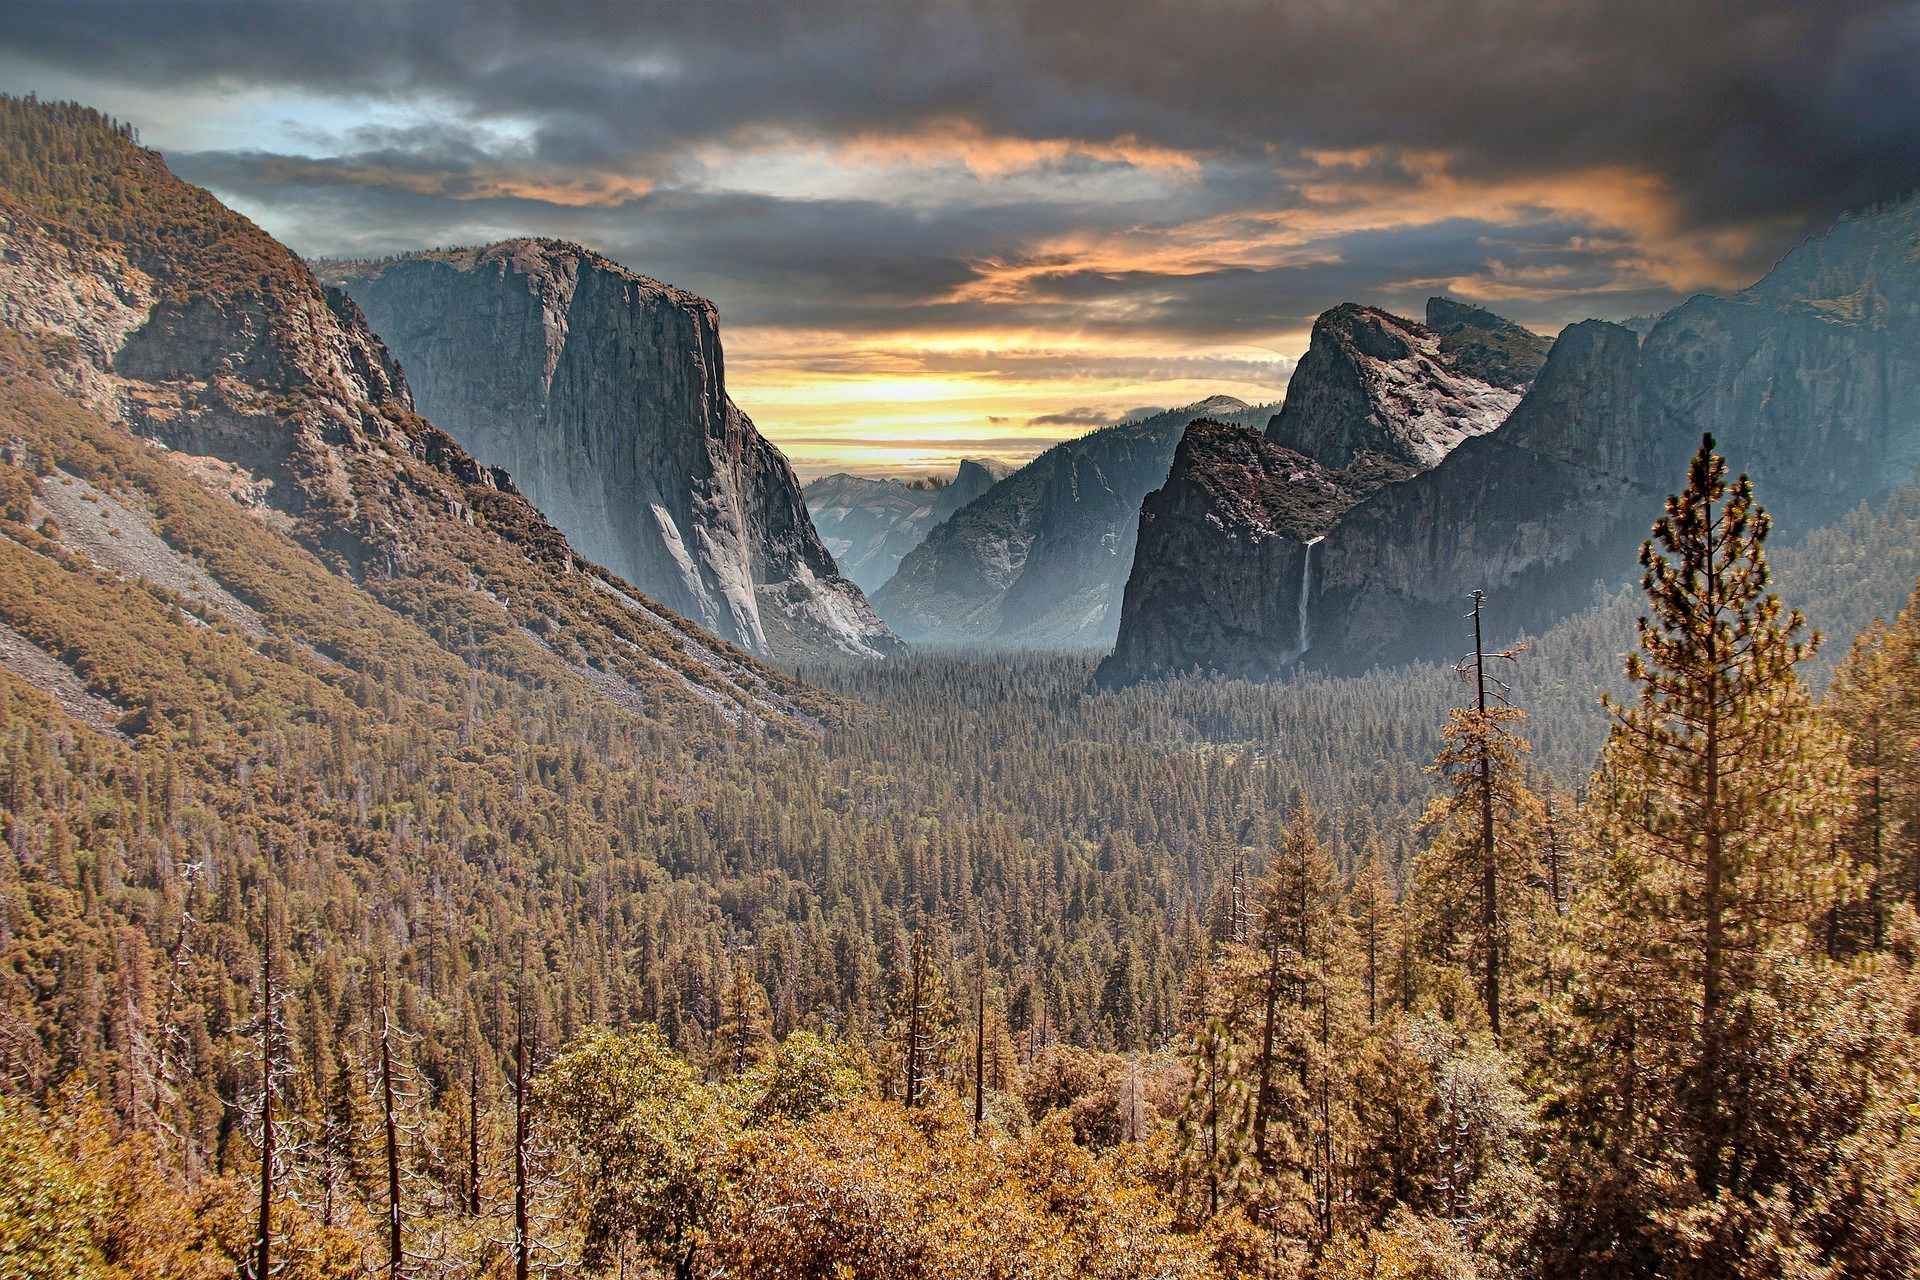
x: 1555, y: 500
x: 1375, y: 385
x: 1483, y: 345
x: 1223, y: 602
x: 1809, y: 381
x: 603, y: 394
x: 1041, y: 559
x: 870, y: 524
x: 1230, y: 572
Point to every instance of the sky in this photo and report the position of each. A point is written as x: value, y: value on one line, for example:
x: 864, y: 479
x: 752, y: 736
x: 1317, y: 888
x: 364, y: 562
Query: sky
x: 947, y: 228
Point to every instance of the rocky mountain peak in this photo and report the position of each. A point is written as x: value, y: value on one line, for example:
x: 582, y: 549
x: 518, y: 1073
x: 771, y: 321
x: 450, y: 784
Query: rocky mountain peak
x: 1808, y: 380
x: 602, y: 392
x: 1373, y: 383
x: 975, y: 476
x: 1215, y: 406
x: 1243, y: 608
x: 871, y: 524
x: 1041, y: 558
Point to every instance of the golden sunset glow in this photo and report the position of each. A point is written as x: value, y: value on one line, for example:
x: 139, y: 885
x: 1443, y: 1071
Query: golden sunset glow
x: 882, y: 410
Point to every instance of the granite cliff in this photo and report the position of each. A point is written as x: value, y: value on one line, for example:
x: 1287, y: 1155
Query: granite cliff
x: 1229, y: 562
x: 238, y: 427
x: 1375, y: 385
x: 603, y: 394
x: 1809, y: 380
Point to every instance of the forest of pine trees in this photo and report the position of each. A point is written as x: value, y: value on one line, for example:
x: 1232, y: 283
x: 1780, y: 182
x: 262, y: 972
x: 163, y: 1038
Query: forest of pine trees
x: 337, y: 969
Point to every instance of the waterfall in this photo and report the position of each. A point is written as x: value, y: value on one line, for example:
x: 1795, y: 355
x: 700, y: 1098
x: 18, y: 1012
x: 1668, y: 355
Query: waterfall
x: 1306, y: 584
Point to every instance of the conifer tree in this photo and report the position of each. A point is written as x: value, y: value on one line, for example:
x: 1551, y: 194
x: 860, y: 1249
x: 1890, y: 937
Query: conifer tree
x: 1375, y: 916
x: 1213, y: 1142
x: 1719, y: 791
x: 920, y: 1020
x: 745, y: 1033
x: 1865, y: 702
x: 340, y: 1171
x: 1299, y: 914
x: 1711, y: 1088
x: 1476, y: 872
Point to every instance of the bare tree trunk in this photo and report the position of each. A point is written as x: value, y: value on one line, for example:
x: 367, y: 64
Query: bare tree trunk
x: 1213, y: 1129
x: 1326, y: 1108
x: 915, y: 1015
x: 396, y: 1252
x: 1489, y: 871
x: 473, y: 1137
x: 980, y: 1047
x: 263, y: 1240
x: 1263, y: 1089
x: 522, y: 1247
x: 1373, y: 951
x: 1706, y: 1170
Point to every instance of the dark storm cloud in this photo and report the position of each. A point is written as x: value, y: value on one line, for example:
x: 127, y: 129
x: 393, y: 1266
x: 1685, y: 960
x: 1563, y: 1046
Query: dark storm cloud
x: 868, y: 266
x: 1746, y: 110
x: 1208, y: 171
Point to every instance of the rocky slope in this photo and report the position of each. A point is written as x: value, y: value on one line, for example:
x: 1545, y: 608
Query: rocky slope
x: 1374, y: 384
x: 603, y: 394
x: 136, y: 303
x: 1041, y: 559
x: 1810, y: 380
x: 871, y: 524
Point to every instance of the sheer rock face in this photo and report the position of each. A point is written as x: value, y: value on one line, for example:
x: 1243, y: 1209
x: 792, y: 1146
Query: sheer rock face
x: 602, y: 393
x: 1809, y: 381
x: 1224, y: 572
x: 1556, y: 499
x: 1041, y: 559
x: 1373, y: 383
x: 871, y: 524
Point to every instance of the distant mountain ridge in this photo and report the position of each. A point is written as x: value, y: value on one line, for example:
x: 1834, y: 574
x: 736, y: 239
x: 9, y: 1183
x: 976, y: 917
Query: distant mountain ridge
x: 870, y: 524
x: 603, y: 394
x: 1809, y: 380
x: 1040, y: 559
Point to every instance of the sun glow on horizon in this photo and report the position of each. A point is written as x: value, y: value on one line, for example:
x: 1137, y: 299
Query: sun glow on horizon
x: 910, y: 407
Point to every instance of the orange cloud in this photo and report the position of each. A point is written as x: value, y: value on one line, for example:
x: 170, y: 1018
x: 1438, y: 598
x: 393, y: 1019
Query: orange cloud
x: 952, y: 140
x: 572, y: 189
x: 991, y: 155
x: 1361, y: 190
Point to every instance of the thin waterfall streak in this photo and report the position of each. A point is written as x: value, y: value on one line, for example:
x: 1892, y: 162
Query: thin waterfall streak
x: 1306, y: 584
